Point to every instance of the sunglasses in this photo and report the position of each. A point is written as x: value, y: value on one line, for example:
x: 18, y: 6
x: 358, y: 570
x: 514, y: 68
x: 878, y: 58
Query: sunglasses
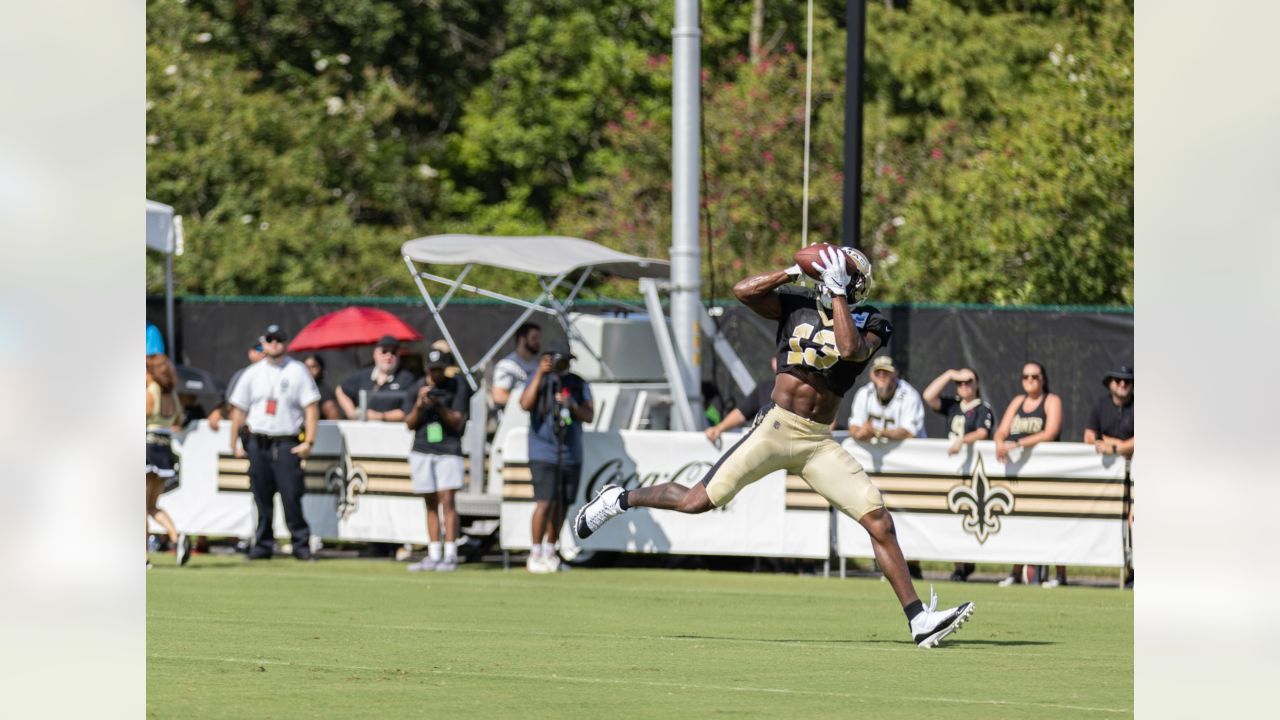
x: 1125, y: 381
x: 964, y: 382
x: 273, y: 339
x: 1030, y: 377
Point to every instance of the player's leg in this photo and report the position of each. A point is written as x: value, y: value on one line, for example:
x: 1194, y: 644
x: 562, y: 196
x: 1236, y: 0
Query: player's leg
x: 762, y: 451
x: 839, y: 478
x: 544, y: 485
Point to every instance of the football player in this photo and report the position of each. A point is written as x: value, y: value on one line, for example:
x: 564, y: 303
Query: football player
x: 823, y: 343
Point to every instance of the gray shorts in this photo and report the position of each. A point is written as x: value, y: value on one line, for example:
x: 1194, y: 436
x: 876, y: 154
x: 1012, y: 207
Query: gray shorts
x: 431, y: 473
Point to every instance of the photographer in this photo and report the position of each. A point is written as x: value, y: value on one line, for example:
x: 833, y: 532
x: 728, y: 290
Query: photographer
x: 436, y: 411
x: 558, y: 403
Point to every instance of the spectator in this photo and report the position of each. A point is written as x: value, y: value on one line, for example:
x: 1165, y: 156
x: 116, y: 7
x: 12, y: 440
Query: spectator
x: 385, y: 384
x: 437, y: 413
x: 329, y: 409
x: 887, y: 408
x: 512, y: 372
x: 276, y: 397
x: 223, y: 410
x: 969, y: 419
x: 163, y: 414
x: 761, y: 399
x: 1110, y: 425
x: 558, y: 403
x: 1033, y: 417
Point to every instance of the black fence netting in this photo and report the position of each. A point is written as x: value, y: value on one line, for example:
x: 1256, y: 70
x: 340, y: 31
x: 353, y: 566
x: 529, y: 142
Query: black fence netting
x: 1076, y: 346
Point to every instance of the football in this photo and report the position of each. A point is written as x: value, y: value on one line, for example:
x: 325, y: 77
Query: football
x: 805, y: 257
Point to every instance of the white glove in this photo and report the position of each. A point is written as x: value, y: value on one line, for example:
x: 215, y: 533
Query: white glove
x: 835, y: 276
x: 795, y: 272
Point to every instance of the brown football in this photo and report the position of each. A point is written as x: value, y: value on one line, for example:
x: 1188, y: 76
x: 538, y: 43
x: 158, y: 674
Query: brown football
x: 805, y: 257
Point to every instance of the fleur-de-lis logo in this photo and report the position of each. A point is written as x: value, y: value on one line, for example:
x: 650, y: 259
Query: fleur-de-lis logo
x: 347, y: 480
x: 980, y: 503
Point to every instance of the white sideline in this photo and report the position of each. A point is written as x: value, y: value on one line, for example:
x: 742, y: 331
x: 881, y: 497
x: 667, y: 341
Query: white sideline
x: 621, y: 681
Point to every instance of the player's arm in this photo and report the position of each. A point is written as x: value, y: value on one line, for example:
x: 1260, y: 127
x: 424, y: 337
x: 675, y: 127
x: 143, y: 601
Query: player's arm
x: 730, y: 421
x: 757, y: 291
x: 851, y: 344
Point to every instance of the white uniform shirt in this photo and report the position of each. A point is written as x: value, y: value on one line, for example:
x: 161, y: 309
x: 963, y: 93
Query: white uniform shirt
x: 288, y: 387
x: 512, y: 372
x: 904, y: 410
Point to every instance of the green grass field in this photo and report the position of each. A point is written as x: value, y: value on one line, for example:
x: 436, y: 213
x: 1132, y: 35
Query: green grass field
x: 361, y: 638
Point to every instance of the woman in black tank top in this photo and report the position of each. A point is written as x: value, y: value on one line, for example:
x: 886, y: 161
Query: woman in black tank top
x: 1033, y: 417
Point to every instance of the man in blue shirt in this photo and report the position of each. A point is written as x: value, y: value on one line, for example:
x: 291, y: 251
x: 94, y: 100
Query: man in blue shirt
x: 558, y: 403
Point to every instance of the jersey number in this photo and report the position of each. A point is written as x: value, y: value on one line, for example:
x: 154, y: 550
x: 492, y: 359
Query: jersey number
x: 821, y: 357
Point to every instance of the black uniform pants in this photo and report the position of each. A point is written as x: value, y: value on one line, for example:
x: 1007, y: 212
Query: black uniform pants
x: 273, y: 468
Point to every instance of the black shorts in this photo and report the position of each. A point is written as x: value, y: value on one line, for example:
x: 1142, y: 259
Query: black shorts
x: 545, y: 486
x: 160, y: 460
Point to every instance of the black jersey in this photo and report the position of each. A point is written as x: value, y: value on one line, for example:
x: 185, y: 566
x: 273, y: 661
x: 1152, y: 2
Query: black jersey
x: 807, y: 339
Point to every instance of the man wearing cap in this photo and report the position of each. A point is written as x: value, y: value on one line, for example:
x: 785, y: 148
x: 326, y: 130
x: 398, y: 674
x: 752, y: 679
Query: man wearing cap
x: 386, y: 386
x: 1110, y: 425
x: 436, y: 412
x: 558, y: 403
x: 887, y: 408
x: 279, y: 402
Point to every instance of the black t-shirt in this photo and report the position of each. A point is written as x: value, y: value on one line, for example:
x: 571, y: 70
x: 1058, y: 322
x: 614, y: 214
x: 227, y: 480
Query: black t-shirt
x: 1107, y: 419
x: 452, y: 394
x: 760, y: 400
x: 387, y: 396
x: 806, y: 338
x: 961, y: 422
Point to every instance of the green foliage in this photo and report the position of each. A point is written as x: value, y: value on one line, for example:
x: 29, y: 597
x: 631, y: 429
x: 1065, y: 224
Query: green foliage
x: 303, y: 142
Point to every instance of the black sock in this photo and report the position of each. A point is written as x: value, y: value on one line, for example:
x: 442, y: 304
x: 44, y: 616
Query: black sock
x: 913, y: 610
x: 623, y: 502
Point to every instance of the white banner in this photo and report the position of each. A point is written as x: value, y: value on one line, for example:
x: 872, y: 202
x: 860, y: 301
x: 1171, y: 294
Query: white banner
x: 1055, y: 503
x: 357, y: 486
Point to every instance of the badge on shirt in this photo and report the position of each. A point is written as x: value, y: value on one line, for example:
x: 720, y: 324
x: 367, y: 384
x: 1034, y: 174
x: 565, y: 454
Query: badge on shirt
x: 271, y: 406
x: 435, y: 432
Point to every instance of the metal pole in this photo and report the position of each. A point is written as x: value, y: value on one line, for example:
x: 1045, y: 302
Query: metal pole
x: 855, y: 48
x: 686, y: 168
x: 168, y: 305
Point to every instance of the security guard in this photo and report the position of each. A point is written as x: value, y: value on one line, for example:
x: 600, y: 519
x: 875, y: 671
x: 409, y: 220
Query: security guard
x: 279, y: 396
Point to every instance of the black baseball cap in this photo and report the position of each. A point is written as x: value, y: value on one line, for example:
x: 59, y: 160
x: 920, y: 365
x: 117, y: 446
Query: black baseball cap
x: 388, y: 342
x: 273, y: 332
x: 1124, y: 373
x: 559, y: 346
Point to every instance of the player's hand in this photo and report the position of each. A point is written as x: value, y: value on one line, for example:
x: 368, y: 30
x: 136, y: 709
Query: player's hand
x: 302, y: 450
x: 544, y: 364
x: 713, y: 433
x: 835, y: 275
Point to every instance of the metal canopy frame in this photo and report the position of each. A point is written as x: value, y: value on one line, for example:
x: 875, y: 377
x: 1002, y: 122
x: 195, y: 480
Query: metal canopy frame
x: 550, y: 303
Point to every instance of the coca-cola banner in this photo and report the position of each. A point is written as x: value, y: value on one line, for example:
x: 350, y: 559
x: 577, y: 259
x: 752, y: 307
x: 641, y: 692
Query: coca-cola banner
x: 761, y: 520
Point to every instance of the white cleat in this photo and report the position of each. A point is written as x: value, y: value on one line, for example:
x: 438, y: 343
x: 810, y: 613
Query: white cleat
x: 597, y: 512
x: 931, y: 626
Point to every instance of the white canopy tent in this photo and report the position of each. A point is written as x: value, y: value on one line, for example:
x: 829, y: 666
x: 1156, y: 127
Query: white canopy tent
x: 164, y: 234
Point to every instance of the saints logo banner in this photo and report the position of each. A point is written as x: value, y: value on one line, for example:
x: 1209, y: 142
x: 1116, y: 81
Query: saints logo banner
x: 1054, y: 503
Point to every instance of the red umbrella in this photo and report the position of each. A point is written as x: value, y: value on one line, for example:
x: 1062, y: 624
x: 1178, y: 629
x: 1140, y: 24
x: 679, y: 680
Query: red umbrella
x: 351, y: 327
